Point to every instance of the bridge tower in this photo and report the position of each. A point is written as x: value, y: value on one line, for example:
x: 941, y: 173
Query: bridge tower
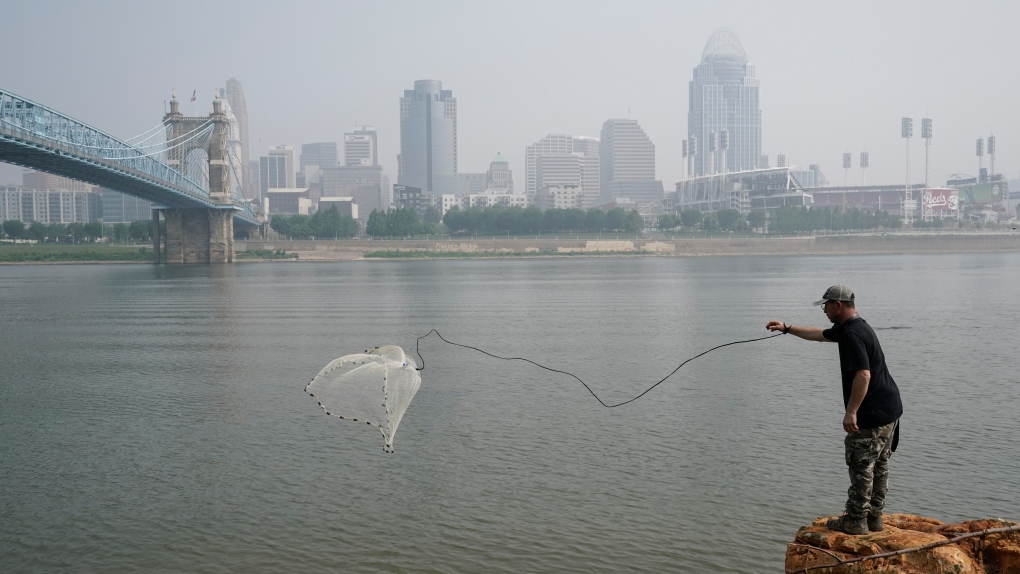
x: 199, y: 235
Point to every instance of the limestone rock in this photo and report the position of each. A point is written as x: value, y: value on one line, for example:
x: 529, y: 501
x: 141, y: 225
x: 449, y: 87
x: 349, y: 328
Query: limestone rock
x: 816, y: 545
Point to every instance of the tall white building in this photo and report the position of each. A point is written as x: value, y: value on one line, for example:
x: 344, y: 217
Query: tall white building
x: 724, y: 95
x: 361, y: 147
x: 554, y: 170
x: 627, y: 163
x: 591, y: 189
x: 277, y: 168
x: 235, y: 150
x: 586, y: 148
x: 234, y: 94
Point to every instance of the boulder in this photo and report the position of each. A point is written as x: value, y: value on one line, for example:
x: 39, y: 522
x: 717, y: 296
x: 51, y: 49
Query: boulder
x: 816, y: 546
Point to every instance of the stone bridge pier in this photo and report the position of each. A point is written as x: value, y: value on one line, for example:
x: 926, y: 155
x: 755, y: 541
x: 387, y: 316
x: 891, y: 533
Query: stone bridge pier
x: 199, y: 236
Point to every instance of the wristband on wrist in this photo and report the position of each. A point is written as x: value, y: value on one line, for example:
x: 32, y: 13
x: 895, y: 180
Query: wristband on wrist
x: 786, y: 328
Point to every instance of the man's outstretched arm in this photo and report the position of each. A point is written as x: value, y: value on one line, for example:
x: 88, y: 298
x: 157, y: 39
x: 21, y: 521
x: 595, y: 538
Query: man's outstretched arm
x: 806, y: 333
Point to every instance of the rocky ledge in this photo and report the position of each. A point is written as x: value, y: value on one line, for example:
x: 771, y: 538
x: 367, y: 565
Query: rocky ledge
x: 959, y: 548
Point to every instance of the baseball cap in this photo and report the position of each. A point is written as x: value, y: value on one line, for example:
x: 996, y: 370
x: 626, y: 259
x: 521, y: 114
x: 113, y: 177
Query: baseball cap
x: 836, y: 293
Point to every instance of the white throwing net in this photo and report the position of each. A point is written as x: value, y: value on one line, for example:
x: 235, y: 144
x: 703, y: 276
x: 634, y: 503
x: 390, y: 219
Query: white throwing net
x: 374, y: 387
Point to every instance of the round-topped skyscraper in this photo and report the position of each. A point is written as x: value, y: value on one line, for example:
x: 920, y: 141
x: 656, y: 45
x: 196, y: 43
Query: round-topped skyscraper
x: 724, y: 95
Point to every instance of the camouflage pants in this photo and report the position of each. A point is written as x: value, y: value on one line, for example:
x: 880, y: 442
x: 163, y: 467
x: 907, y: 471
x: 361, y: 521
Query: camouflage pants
x: 867, y: 456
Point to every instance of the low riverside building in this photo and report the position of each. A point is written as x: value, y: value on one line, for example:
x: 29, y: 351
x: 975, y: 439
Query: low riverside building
x: 48, y: 206
x: 563, y: 196
x: 493, y: 198
x: 289, y: 200
x: 346, y: 205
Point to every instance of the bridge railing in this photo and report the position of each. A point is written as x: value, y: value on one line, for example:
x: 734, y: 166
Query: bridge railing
x: 18, y: 114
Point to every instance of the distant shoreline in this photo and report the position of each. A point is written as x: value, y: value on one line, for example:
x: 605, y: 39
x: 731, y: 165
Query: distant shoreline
x: 520, y: 248
x: 545, y: 248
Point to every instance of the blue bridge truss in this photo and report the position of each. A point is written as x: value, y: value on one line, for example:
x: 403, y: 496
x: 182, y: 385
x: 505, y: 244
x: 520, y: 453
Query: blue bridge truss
x: 36, y: 137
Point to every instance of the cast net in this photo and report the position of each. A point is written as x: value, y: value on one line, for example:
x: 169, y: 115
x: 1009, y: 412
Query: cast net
x: 374, y: 387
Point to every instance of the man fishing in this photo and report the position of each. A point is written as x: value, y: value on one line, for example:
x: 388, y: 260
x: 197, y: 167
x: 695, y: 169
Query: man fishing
x: 872, y: 402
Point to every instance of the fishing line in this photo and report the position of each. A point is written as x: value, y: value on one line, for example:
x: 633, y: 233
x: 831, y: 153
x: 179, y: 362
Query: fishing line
x: 608, y: 406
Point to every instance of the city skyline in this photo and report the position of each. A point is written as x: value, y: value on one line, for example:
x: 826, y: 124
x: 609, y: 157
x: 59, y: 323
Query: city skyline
x: 847, y: 92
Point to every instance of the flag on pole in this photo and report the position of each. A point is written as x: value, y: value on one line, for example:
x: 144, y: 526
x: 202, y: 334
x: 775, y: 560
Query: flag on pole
x: 194, y: 94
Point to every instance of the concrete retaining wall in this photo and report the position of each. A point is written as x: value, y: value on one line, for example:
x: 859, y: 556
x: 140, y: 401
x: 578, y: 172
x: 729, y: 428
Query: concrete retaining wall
x: 843, y: 244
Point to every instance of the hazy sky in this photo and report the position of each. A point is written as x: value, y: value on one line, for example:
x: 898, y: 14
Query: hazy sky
x: 834, y: 77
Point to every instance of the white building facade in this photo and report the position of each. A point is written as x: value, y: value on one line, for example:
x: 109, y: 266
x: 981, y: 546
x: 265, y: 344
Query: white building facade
x: 48, y: 206
x: 627, y: 163
x: 560, y: 197
x: 586, y: 148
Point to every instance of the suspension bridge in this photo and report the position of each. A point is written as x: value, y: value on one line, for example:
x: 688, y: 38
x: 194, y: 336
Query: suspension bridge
x: 185, y: 166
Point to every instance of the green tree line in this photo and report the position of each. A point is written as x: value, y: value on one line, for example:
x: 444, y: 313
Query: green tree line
x: 325, y: 224
x: 76, y: 232
x: 403, y: 222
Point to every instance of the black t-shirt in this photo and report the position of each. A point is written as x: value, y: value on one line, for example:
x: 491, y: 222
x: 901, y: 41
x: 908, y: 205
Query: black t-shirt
x: 859, y: 350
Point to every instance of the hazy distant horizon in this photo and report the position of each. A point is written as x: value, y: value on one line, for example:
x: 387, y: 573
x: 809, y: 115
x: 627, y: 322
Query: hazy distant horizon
x: 834, y: 78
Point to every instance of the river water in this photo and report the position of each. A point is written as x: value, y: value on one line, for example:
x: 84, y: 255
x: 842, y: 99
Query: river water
x: 154, y: 419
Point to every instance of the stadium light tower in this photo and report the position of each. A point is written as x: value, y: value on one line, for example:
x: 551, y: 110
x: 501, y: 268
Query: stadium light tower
x: 907, y: 132
x: 926, y: 134
x: 781, y: 160
x: 991, y: 174
x: 979, y: 150
x: 991, y: 155
x: 846, y: 176
x: 864, y: 168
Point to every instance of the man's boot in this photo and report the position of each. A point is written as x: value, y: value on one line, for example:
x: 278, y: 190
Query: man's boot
x: 875, y: 522
x: 849, y: 524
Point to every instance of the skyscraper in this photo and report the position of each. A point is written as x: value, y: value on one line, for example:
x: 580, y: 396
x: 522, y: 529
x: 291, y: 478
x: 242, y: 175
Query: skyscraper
x: 277, y: 169
x: 627, y: 163
x: 273, y: 174
x: 314, y: 157
x: 235, y: 151
x: 361, y: 147
x: 587, y: 151
x: 428, y: 138
x: 724, y: 95
x: 235, y: 97
x: 322, y: 154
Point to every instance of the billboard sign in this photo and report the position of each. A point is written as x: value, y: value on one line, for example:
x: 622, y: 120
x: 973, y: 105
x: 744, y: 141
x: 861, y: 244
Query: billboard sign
x: 940, y: 199
x: 982, y: 193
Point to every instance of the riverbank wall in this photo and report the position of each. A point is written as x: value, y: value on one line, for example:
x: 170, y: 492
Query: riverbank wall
x: 810, y: 245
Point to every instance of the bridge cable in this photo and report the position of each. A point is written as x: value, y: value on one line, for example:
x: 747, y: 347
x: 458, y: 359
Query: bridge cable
x: 140, y: 148
x: 204, y: 133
